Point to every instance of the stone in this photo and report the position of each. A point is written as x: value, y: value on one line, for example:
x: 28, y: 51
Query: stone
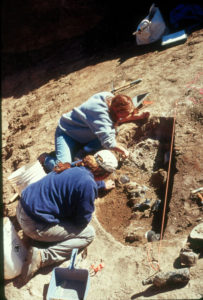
x: 152, y: 236
x: 158, y: 178
x: 197, y: 232
x: 124, y: 179
x: 142, y: 206
x: 181, y: 276
x: 188, y: 257
x: 163, y: 279
x: 196, y: 236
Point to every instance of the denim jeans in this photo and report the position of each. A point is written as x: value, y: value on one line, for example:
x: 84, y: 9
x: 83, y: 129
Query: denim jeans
x: 67, y: 148
x: 61, y: 238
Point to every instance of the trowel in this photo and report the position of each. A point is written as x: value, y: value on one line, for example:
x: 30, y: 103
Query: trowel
x: 138, y: 100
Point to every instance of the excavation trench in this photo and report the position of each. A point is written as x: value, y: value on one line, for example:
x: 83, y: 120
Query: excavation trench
x: 136, y: 205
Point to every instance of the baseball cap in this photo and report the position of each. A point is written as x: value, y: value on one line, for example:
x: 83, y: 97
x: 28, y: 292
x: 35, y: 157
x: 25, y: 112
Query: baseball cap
x: 107, y: 160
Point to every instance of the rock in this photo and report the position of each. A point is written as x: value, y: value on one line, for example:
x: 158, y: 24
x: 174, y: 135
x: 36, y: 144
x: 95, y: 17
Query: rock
x: 133, y: 189
x: 158, y: 178
x: 172, y: 278
x: 134, y: 233
x: 124, y: 179
x: 152, y: 236
x: 197, y: 232
x: 144, y: 188
x: 131, y: 186
x: 156, y: 205
x: 130, y: 238
x: 188, y: 257
x: 133, y: 237
x: 142, y: 206
x: 147, y: 214
x: 175, y: 277
x: 131, y: 202
x: 136, y: 215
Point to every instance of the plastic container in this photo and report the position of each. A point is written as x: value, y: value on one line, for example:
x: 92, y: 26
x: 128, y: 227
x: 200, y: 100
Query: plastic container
x: 14, y: 250
x: 26, y: 175
x: 174, y: 38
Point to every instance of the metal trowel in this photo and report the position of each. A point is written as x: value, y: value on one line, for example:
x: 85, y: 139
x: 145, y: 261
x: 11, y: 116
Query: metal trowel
x: 138, y: 100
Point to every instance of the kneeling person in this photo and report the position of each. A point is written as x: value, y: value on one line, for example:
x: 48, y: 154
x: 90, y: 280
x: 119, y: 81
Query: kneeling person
x: 59, y: 207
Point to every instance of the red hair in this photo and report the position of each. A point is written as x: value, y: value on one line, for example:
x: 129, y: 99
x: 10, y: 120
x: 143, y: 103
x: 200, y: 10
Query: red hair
x: 120, y: 103
x: 88, y: 161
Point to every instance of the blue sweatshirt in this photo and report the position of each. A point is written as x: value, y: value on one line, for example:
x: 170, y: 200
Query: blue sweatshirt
x: 89, y: 121
x: 69, y: 195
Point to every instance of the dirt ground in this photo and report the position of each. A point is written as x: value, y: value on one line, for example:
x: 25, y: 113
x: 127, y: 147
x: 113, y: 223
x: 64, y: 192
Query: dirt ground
x: 33, y: 100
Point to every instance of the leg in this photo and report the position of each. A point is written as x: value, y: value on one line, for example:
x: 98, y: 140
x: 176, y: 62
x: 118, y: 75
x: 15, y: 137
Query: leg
x: 66, y: 147
x: 62, y: 238
x: 73, y: 237
x: 92, y: 146
x: 89, y: 148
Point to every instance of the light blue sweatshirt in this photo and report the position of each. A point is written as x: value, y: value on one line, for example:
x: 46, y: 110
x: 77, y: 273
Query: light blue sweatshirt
x: 90, y: 120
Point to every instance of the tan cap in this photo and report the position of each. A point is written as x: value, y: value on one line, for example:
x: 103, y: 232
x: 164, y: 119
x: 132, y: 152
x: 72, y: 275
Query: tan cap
x: 107, y: 160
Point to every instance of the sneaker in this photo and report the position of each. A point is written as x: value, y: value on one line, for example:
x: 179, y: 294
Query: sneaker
x: 32, y: 264
x: 42, y: 157
x: 80, y: 155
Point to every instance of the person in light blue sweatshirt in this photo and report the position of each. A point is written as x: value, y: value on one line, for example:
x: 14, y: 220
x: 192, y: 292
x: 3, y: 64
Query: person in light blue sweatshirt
x: 91, y: 126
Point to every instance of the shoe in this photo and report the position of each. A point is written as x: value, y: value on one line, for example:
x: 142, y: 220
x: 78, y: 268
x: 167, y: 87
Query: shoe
x: 80, y: 155
x: 32, y: 264
x: 42, y: 157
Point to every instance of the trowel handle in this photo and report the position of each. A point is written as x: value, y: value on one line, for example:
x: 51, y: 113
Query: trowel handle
x: 73, y: 258
x: 127, y: 85
x: 136, y: 81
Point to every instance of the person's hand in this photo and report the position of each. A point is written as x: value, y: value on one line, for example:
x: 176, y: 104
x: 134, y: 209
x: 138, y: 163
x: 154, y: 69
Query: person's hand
x: 133, y: 117
x: 145, y: 115
x: 124, y: 152
x: 109, y: 184
x: 135, y: 112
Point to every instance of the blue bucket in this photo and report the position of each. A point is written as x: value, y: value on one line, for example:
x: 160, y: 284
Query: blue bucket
x: 69, y: 283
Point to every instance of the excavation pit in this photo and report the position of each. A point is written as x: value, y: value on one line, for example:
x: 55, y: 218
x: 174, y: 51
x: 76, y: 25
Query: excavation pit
x: 135, y: 206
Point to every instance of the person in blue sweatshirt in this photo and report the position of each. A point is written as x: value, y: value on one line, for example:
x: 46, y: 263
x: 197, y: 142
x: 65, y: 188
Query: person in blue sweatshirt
x: 92, y: 127
x: 58, y: 208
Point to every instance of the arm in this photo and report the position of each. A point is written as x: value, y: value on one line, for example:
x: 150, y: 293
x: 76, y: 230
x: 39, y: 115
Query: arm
x: 118, y: 148
x: 100, y: 184
x: 106, y: 185
x: 134, y: 117
x: 99, y: 121
x: 85, y: 204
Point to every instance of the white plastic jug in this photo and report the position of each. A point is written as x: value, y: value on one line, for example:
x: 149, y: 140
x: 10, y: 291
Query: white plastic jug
x: 14, y: 251
x: 26, y: 175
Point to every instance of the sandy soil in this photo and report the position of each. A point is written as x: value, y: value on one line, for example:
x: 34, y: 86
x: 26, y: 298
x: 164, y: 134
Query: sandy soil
x: 33, y: 101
